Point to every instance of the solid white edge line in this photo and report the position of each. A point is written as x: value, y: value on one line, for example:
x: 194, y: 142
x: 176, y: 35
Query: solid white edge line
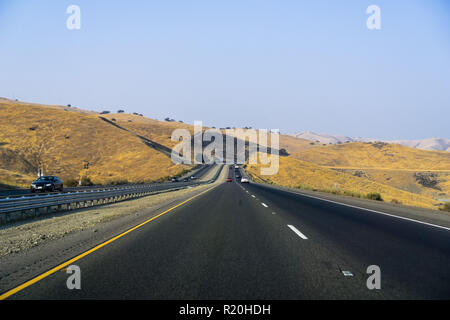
x: 374, y: 211
x: 297, y: 232
x: 264, y: 205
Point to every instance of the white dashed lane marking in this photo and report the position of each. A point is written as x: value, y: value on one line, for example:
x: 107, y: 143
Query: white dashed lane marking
x: 297, y: 232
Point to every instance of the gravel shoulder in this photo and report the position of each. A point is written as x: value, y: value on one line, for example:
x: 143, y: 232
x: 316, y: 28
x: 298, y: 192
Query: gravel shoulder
x: 31, y: 247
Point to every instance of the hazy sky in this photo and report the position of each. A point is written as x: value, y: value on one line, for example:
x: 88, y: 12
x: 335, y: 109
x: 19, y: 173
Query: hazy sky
x: 293, y: 65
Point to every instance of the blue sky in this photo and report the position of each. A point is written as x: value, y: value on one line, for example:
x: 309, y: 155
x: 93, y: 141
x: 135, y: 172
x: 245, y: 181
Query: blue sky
x: 292, y: 65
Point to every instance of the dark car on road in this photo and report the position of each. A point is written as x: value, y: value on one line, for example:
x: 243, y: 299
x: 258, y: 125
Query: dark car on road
x: 47, y: 183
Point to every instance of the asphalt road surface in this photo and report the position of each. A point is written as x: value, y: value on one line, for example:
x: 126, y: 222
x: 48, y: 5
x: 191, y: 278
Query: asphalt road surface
x: 253, y: 242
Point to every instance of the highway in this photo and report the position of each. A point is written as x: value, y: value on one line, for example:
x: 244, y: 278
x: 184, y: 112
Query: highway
x: 198, y: 173
x: 252, y: 241
x: 18, y: 208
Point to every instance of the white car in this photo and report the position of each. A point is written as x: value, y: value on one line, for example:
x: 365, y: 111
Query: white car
x: 245, y: 180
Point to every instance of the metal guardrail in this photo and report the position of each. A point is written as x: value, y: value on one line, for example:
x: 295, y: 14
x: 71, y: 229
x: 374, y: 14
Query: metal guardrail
x: 29, y: 207
x: 198, y: 172
x: 14, y: 209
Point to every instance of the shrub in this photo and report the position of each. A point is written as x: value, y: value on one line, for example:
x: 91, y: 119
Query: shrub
x: 71, y: 183
x: 352, y: 194
x: 120, y: 111
x: 374, y: 196
x: 105, y: 112
x: 118, y: 182
x: 86, y: 181
x: 446, y: 207
x: 395, y: 201
x: 182, y: 173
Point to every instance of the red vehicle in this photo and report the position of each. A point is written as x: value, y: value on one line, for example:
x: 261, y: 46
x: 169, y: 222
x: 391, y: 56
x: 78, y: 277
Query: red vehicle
x: 229, y: 180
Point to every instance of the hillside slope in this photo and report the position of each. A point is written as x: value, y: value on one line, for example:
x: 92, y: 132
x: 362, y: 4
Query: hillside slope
x: 426, y: 144
x: 436, y: 144
x: 417, y: 171
x: 73, y: 145
x: 375, y: 155
x: 301, y: 174
x: 154, y: 130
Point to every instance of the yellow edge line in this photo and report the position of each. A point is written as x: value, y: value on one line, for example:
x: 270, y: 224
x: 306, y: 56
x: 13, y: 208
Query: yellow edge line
x: 82, y: 255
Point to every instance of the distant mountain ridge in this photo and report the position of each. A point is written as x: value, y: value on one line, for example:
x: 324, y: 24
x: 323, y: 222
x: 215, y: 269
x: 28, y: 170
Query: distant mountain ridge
x: 437, y: 144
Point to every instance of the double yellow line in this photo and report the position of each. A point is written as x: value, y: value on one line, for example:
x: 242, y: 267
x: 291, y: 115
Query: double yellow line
x: 82, y: 255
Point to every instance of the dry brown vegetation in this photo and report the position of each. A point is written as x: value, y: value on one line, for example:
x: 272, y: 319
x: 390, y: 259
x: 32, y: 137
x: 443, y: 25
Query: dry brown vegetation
x: 305, y: 175
x: 400, y: 174
x: 376, y: 156
x: 73, y: 144
x: 421, y: 172
x: 157, y: 131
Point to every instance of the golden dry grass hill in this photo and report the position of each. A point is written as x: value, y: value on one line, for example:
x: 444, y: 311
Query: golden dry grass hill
x: 400, y: 174
x: 72, y: 144
x: 154, y: 130
x: 295, y: 173
x: 377, y: 155
x: 292, y: 144
x: 418, y: 171
x: 161, y: 131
